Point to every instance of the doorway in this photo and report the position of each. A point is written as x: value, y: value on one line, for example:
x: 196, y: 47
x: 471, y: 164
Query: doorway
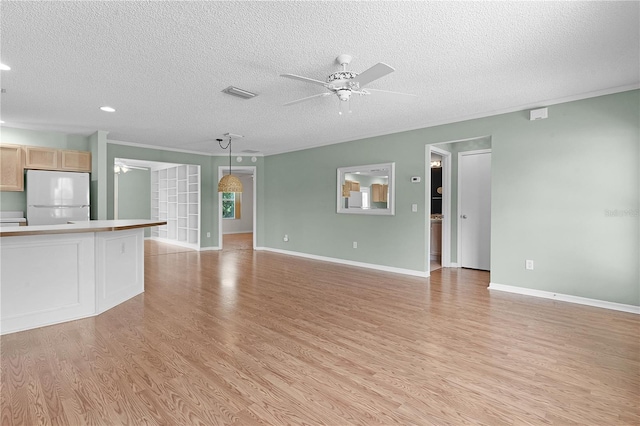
x: 237, y: 220
x: 449, y: 151
x: 154, y: 190
x: 439, y: 211
x: 435, y: 217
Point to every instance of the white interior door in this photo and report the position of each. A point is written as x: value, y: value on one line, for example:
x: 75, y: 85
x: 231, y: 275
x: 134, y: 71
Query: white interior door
x: 474, y: 207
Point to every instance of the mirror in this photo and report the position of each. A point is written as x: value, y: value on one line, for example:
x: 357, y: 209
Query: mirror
x: 366, y: 189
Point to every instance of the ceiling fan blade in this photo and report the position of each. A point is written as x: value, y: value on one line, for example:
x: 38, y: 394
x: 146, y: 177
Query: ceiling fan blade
x: 305, y: 79
x: 375, y: 72
x: 389, y: 91
x: 307, y: 98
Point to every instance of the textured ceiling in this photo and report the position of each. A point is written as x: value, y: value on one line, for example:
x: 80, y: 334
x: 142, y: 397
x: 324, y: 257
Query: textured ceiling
x: 163, y: 65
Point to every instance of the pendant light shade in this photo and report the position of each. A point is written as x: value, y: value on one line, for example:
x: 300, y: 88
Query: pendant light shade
x: 229, y: 183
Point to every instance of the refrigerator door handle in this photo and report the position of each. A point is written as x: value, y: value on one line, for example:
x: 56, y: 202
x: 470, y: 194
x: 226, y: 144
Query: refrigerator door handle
x: 59, y: 207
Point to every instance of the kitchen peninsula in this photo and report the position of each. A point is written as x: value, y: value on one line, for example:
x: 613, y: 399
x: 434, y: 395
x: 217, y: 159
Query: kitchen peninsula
x: 56, y: 273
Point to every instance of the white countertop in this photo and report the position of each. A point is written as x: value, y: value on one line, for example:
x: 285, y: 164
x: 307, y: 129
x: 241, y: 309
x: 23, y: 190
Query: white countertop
x: 76, y: 227
x: 12, y: 217
x: 13, y: 220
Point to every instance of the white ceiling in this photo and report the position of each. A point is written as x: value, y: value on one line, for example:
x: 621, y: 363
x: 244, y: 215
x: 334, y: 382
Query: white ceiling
x: 163, y: 65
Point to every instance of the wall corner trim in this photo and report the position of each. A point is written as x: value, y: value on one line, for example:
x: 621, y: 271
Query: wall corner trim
x: 391, y: 269
x: 566, y: 298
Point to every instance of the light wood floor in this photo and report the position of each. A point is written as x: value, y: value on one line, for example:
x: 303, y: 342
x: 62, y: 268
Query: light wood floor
x: 237, y: 241
x: 243, y: 337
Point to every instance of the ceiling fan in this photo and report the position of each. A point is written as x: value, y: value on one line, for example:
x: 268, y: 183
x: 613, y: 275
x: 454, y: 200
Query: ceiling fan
x: 346, y: 83
x: 120, y: 167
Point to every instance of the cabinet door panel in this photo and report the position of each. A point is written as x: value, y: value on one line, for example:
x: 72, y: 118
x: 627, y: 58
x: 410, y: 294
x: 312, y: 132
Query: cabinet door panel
x: 11, y: 168
x: 76, y: 161
x: 41, y: 158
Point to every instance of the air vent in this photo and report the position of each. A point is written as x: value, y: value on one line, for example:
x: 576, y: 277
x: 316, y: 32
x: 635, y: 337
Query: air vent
x: 250, y: 151
x: 234, y: 91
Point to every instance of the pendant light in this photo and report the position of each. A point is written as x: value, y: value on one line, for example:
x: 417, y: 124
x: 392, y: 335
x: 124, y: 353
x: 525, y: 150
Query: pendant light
x: 229, y: 183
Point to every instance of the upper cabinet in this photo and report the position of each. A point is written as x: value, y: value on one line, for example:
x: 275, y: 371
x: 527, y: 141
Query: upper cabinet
x: 75, y: 161
x: 57, y: 159
x: 379, y: 193
x: 14, y: 159
x: 40, y: 158
x: 348, y: 186
x: 11, y: 168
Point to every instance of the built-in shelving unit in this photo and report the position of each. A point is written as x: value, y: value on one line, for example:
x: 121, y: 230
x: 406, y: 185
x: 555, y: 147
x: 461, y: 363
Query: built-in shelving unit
x: 175, y: 197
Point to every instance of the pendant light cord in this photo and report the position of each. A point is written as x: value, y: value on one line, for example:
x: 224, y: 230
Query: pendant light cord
x: 225, y: 147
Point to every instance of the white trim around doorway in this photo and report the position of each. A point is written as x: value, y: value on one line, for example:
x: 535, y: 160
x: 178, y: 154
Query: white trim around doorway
x: 221, y: 172
x: 446, y: 204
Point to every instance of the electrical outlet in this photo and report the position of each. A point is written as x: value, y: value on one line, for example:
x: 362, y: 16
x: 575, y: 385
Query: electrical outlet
x: 414, y: 208
x: 208, y: 234
x: 355, y: 244
x: 528, y: 264
x: 286, y: 238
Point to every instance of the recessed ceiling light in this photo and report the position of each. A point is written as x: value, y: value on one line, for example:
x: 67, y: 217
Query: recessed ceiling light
x: 1, y: 122
x: 107, y: 109
x: 4, y: 67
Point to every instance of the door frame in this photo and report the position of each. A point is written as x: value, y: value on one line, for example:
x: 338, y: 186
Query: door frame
x: 461, y: 154
x: 221, y: 172
x: 446, y: 204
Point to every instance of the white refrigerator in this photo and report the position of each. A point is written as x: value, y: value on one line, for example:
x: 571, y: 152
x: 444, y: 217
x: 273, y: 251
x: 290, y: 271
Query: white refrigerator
x: 57, y: 197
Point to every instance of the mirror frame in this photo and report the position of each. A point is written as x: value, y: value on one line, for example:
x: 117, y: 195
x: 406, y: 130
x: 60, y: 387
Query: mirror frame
x: 391, y: 205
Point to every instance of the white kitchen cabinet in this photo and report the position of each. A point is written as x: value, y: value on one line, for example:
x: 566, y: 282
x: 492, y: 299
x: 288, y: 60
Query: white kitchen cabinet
x: 59, y: 273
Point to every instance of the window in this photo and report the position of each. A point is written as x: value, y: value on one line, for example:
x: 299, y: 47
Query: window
x: 231, y: 205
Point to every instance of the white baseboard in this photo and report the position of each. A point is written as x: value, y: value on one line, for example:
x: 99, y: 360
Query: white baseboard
x: 176, y: 243
x: 566, y: 298
x: 392, y: 269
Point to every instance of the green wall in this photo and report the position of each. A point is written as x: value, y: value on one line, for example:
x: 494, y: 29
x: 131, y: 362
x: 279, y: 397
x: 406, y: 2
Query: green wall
x: 134, y: 196
x: 300, y: 201
x: 553, y: 182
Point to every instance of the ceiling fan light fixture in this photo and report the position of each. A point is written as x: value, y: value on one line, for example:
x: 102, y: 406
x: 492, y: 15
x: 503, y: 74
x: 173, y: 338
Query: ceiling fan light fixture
x: 344, y: 107
x: 344, y: 94
x: 120, y: 168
